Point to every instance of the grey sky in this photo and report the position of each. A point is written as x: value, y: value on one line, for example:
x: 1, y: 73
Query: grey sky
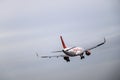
x: 27, y: 26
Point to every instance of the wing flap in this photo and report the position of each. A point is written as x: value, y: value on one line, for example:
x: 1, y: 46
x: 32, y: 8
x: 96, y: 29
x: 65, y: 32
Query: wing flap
x: 54, y: 56
x: 96, y: 45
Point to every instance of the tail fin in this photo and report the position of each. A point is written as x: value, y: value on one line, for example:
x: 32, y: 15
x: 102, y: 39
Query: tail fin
x: 63, y: 44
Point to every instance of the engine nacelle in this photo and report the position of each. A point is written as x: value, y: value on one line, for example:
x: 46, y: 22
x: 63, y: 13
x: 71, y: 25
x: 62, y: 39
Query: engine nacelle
x: 88, y: 53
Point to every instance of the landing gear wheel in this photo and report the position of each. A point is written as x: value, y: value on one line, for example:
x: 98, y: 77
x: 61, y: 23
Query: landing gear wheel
x: 67, y: 59
x: 82, y: 57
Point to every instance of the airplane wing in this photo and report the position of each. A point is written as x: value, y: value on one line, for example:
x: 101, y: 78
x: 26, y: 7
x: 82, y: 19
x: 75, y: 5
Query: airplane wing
x: 54, y: 56
x: 96, y: 45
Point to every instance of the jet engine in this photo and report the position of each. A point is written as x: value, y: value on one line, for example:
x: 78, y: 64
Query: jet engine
x: 88, y: 53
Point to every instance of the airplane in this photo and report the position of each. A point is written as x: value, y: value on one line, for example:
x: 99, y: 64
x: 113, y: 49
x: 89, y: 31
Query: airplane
x: 73, y: 51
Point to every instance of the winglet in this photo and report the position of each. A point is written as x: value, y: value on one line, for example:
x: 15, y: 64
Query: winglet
x: 63, y: 44
x: 37, y: 54
x: 104, y: 40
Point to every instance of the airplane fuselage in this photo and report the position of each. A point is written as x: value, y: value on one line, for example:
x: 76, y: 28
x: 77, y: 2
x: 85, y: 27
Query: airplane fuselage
x: 73, y: 52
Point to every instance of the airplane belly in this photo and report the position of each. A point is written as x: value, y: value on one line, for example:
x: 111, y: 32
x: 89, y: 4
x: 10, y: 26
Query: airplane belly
x: 70, y: 54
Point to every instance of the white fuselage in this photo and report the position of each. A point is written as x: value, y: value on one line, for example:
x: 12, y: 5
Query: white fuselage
x: 74, y: 51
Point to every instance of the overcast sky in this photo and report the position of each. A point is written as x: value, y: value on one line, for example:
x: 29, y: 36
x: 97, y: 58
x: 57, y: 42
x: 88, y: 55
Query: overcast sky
x: 29, y: 26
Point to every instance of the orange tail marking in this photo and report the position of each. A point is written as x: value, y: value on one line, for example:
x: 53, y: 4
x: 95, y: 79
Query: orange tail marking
x: 63, y: 44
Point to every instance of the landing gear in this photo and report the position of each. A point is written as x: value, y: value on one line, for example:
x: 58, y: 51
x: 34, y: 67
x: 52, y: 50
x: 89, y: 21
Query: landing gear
x: 67, y: 59
x: 82, y: 57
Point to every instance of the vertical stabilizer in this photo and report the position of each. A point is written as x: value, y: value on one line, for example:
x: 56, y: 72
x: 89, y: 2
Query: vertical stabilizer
x: 63, y: 44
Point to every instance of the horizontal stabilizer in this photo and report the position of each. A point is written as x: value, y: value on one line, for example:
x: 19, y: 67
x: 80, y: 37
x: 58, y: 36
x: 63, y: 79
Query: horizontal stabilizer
x: 56, y: 51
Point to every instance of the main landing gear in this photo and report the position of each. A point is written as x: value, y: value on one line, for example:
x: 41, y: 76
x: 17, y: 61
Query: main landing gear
x: 67, y: 59
x: 82, y: 57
